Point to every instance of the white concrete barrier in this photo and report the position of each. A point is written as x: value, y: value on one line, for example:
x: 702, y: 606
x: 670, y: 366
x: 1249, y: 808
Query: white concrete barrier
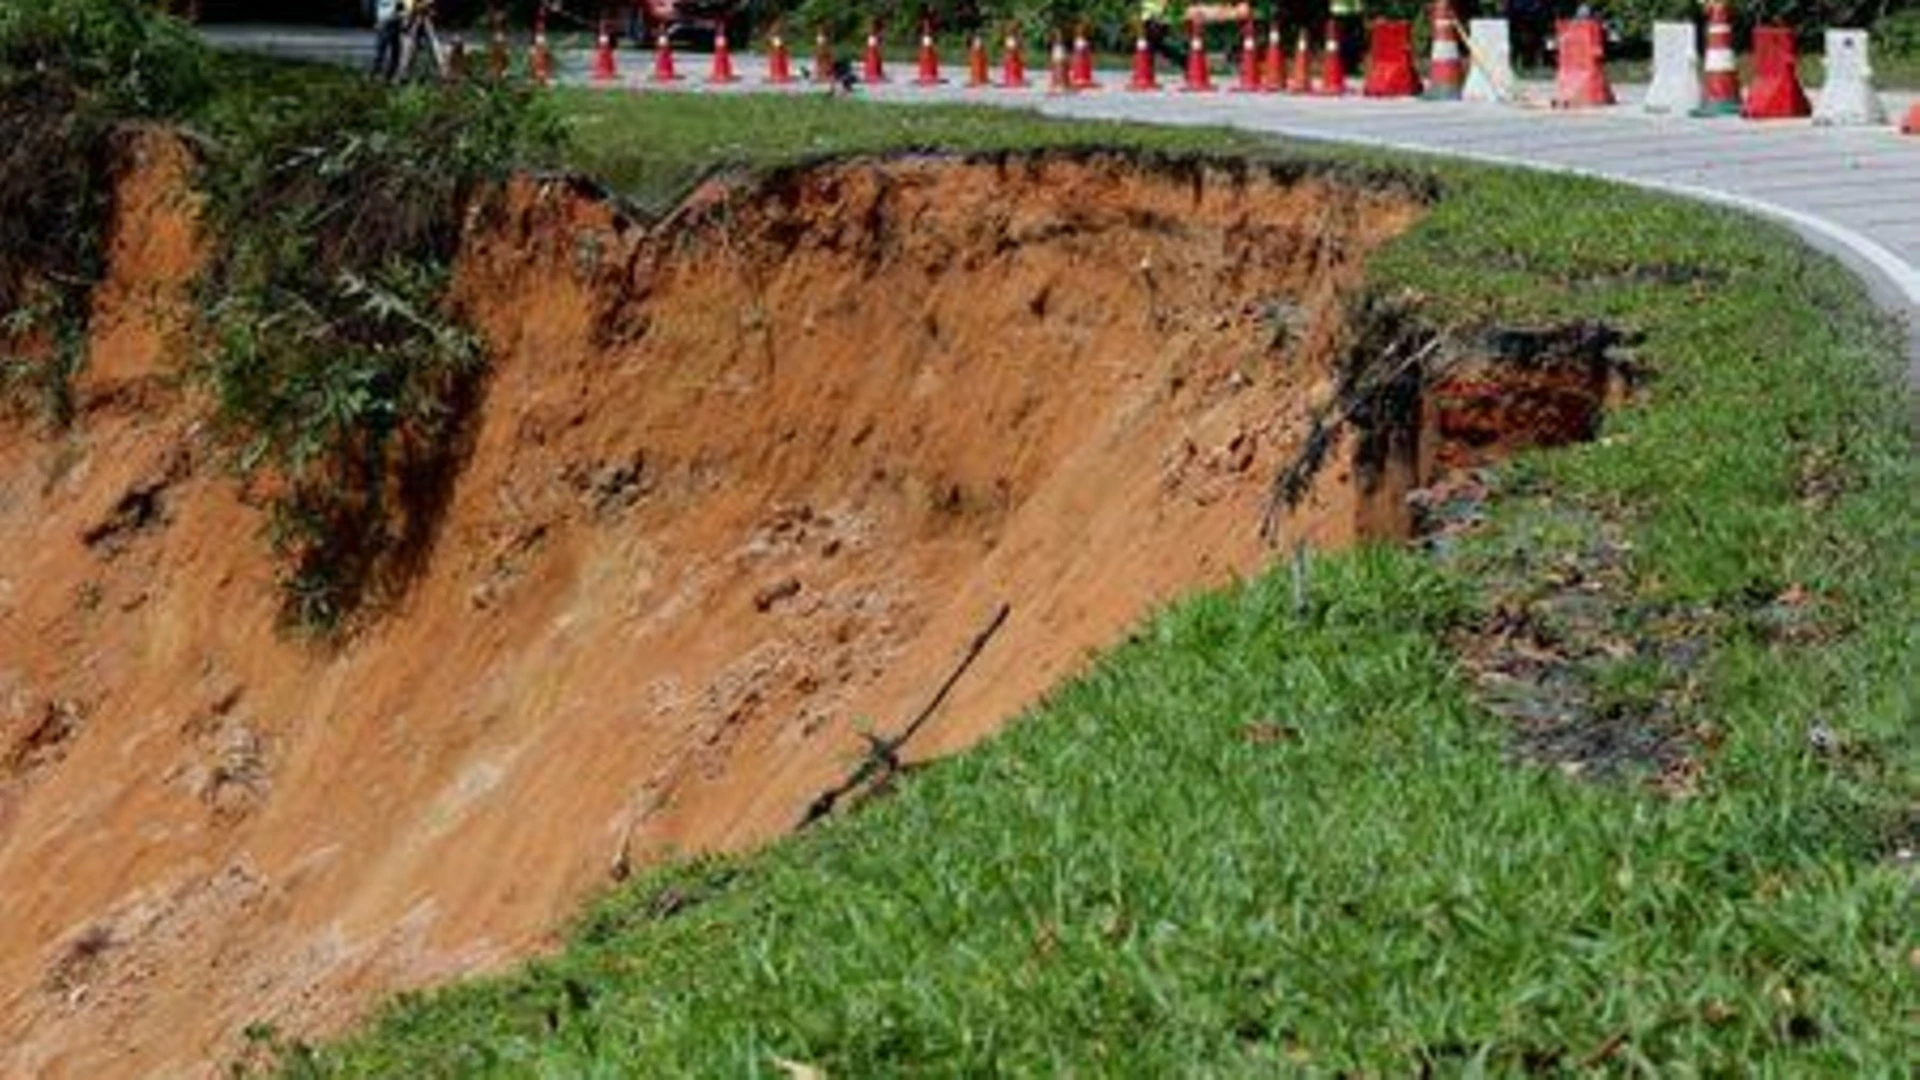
x: 1489, y: 62
x: 1676, y: 69
x: 1848, y: 97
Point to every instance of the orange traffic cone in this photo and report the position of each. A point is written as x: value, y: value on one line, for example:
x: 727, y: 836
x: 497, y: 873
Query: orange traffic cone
x: 457, y: 59
x: 663, y: 60
x: 1299, y: 80
x: 540, y: 64
x: 498, y: 57
x: 779, y: 62
x: 1059, y: 77
x: 976, y: 63
x: 822, y: 59
x: 1249, y: 80
x: 1720, y: 74
x: 1776, y: 93
x: 1273, y: 72
x: 1911, y: 125
x: 1013, y: 65
x: 1199, y: 77
x: 872, y: 70
x: 929, y: 59
x: 1390, y: 60
x: 1581, y: 82
x: 605, y: 68
x: 1143, y: 80
x: 1333, y: 70
x: 1446, y: 69
x: 722, y: 71
x: 1080, y: 76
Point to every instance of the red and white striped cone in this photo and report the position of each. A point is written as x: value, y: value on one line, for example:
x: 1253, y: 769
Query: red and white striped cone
x: 1199, y: 78
x: 1081, y: 73
x: 457, y: 59
x: 779, y: 62
x: 1446, y: 69
x: 722, y: 71
x: 929, y: 73
x: 872, y: 69
x: 663, y: 71
x: 1300, y: 78
x: 822, y: 59
x: 1059, y: 77
x: 977, y: 64
x: 499, y: 57
x: 1720, y: 73
x: 1013, y: 64
x: 1143, y: 81
x: 540, y: 63
x: 1333, y: 69
x: 1249, y: 77
x: 1273, y: 72
x: 605, y: 68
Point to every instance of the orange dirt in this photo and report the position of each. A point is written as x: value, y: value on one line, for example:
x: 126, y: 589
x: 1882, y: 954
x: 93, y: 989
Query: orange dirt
x: 740, y: 484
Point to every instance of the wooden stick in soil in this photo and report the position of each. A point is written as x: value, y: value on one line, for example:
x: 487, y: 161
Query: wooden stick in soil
x: 883, y: 754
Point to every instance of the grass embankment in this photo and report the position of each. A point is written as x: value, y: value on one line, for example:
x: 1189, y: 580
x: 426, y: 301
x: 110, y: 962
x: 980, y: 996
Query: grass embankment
x: 1256, y: 837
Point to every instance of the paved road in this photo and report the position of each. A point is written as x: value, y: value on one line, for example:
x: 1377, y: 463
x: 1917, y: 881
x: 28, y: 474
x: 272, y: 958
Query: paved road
x: 1854, y: 192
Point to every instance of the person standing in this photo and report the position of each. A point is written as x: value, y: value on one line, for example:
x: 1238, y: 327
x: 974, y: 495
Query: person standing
x: 389, y: 20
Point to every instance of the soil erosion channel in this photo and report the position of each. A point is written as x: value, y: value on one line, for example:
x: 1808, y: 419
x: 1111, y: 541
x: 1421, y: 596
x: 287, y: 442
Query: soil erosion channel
x: 741, y: 484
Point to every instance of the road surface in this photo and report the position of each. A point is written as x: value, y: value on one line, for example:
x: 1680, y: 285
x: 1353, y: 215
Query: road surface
x: 1853, y: 192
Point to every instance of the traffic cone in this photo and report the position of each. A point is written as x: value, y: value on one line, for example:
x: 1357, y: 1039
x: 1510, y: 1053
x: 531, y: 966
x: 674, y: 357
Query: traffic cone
x: 498, y: 57
x: 1143, y: 80
x: 722, y: 70
x: 540, y: 63
x: 976, y: 63
x: 1911, y: 125
x: 1199, y: 78
x: 1581, y: 82
x: 605, y: 68
x: 457, y: 59
x: 1390, y: 60
x: 1059, y: 77
x: 1080, y: 76
x: 929, y: 74
x: 1300, y: 79
x: 1249, y: 80
x: 822, y: 59
x: 1776, y: 93
x: 1720, y: 79
x: 1273, y: 72
x: 1333, y: 70
x: 779, y: 62
x: 1013, y: 65
x: 663, y: 59
x: 872, y: 70
x: 1446, y: 73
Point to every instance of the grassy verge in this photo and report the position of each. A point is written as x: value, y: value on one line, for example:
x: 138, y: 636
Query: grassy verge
x: 1260, y: 837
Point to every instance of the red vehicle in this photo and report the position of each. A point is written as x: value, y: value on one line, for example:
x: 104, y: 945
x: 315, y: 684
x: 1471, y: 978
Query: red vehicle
x: 689, y: 22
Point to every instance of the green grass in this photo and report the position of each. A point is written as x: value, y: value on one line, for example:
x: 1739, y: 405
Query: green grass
x: 1127, y: 882
x: 652, y: 148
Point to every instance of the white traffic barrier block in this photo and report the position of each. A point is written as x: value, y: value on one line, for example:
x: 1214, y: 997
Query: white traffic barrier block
x: 1847, y: 97
x: 1489, y: 62
x: 1676, y: 69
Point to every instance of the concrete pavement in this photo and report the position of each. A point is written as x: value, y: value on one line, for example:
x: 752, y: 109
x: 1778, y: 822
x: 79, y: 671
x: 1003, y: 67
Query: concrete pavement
x: 1854, y: 192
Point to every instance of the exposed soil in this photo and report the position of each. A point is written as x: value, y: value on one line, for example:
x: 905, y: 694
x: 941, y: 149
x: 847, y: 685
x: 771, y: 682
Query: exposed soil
x: 742, y: 483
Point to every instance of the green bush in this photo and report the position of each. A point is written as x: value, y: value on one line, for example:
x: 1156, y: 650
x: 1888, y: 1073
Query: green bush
x: 71, y: 71
x: 337, y: 377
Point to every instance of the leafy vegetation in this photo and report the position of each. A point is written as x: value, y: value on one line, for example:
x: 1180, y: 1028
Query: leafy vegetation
x: 71, y: 71
x: 1267, y: 835
x: 334, y: 369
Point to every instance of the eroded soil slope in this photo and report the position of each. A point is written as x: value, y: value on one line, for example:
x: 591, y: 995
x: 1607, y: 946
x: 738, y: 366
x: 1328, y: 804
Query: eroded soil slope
x: 741, y: 484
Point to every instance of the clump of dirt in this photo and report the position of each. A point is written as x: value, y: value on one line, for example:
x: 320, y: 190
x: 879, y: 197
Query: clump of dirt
x: 742, y: 484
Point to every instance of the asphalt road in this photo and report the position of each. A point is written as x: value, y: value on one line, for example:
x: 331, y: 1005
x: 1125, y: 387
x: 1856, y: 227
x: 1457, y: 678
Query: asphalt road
x: 1853, y: 192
